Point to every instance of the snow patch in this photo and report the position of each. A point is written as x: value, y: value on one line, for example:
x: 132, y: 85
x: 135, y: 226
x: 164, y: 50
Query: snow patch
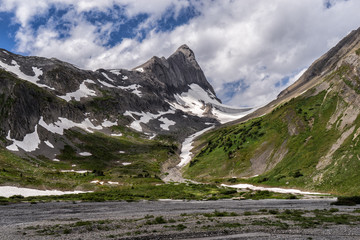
x: 97, y: 182
x: 278, y: 190
x: 15, y: 68
x: 56, y: 160
x: 113, y: 183
x: 85, y: 154
x: 107, y: 77
x: 186, y: 147
x: 134, y: 89
x: 166, y: 123
x: 125, y: 77
x: 144, y: 118
x: 107, y: 123
x: 196, y: 101
x: 8, y: 191
x: 116, y: 134
x: 140, y: 69
x: 64, y: 124
x: 75, y: 171
x: 224, y: 117
x: 5, y: 52
x: 152, y: 136
x: 106, y: 84
x: 49, y: 144
x: 116, y: 72
x: 82, y: 92
x: 30, y: 142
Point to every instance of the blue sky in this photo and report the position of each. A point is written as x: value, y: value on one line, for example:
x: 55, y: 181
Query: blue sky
x: 249, y: 50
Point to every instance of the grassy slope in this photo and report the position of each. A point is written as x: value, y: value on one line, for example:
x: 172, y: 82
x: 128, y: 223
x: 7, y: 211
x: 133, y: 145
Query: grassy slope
x: 228, y: 151
x: 105, y: 164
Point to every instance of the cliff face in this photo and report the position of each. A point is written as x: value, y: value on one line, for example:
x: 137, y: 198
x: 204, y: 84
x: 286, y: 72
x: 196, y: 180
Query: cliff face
x: 178, y: 71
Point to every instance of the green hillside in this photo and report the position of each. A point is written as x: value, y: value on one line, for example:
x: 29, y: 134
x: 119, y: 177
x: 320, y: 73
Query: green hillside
x: 129, y: 159
x: 310, y: 142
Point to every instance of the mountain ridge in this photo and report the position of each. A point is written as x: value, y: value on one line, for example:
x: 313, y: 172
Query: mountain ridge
x: 307, y: 138
x: 47, y: 97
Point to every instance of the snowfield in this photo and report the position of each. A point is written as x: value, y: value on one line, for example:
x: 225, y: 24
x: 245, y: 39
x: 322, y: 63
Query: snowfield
x: 30, y: 142
x: 186, y: 147
x: 133, y: 88
x: 82, y: 92
x: 15, y: 68
x: 144, y: 118
x: 8, y: 191
x: 278, y: 190
x: 64, y: 124
x: 196, y: 100
x: 166, y: 123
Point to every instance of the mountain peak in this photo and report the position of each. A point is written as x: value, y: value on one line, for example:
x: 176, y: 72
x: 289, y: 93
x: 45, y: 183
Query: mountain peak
x: 188, y: 53
x: 186, y: 50
x: 178, y: 71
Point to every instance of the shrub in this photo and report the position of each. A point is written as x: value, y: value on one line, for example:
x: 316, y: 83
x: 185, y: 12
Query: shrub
x: 348, y: 201
x: 273, y: 211
x: 358, y: 52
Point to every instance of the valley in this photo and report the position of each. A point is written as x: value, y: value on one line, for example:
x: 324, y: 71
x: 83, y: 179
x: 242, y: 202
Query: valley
x: 157, y: 139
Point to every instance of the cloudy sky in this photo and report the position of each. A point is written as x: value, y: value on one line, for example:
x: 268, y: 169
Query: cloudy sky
x: 249, y: 49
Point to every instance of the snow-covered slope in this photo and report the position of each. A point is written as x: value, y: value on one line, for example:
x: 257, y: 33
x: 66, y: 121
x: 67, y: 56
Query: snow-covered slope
x: 200, y: 102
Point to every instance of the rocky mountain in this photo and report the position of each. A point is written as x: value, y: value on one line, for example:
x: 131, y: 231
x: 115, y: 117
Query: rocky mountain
x: 307, y: 138
x: 41, y: 98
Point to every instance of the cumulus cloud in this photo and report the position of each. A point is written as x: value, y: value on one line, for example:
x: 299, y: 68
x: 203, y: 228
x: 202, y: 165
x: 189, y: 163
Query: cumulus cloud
x: 249, y: 50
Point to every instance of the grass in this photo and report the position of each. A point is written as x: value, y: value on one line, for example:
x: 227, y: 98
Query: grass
x: 294, y: 136
x: 105, y: 163
x: 218, y: 222
x: 311, y: 219
x: 358, y: 52
x: 348, y: 201
x: 217, y: 213
x: 147, y: 192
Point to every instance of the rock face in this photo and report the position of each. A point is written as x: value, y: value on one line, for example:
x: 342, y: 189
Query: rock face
x: 325, y: 63
x: 177, y: 72
x: 41, y: 98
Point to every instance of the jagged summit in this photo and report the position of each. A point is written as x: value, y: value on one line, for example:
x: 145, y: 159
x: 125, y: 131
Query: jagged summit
x: 188, y: 53
x: 177, y: 71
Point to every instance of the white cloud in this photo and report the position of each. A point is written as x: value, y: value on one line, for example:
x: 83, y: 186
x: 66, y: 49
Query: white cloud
x: 255, y: 42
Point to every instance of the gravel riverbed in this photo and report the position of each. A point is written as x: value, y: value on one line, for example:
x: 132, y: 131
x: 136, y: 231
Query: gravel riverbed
x: 169, y: 219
